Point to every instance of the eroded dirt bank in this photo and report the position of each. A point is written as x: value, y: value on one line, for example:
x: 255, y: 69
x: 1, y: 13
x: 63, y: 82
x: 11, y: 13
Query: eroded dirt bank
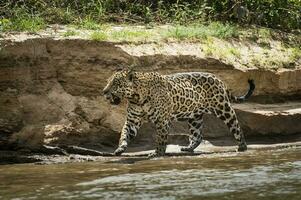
x: 50, y: 93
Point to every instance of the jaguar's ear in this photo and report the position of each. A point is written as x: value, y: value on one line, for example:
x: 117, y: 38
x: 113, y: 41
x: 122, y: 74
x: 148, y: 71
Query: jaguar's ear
x: 119, y: 68
x: 130, y: 74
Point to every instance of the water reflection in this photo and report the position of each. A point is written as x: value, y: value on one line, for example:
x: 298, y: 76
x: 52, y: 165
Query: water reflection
x: 258, y: 174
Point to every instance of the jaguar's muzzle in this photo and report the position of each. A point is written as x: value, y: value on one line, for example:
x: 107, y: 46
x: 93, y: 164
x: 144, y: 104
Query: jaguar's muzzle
x: 115, y: 100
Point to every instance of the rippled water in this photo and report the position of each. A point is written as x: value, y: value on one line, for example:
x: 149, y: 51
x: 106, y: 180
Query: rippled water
x: 252, y: 175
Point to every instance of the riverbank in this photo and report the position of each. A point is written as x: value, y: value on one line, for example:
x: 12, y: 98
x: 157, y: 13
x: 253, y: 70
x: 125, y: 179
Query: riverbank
x: 218, y: 147
x: 253, y: 47
x: 51, y: 80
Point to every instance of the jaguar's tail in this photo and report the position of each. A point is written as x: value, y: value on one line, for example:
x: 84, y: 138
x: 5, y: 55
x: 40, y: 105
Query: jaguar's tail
x: 244, y: 97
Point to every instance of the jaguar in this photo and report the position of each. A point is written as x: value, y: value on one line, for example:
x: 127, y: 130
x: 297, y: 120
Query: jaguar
x: 161, y: 99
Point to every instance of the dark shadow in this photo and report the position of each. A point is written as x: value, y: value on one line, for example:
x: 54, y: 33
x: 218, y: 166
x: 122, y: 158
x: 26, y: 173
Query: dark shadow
x: 268, y: 139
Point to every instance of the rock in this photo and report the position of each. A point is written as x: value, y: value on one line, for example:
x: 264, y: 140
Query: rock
x: 270, y: 119
x: 11, y: 115
x: 13, y: 157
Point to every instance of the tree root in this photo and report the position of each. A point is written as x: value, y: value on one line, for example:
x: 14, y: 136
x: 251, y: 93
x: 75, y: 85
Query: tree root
x: 66, y: 150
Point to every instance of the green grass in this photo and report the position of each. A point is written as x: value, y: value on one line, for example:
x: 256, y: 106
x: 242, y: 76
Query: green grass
x: 225, y: 51
x: 69, y: 33
x: 88, y: 23
x: 235, y: 52
x: 121, y: 35
x: 99, y: 36
x: 130, y: 35
x: 22, y: 21
x: 295, y: 53
x: 272, y: 59
x: 200, y: 31
x: 264, y: 33
x: 30, y: 24
x: 247, y: 53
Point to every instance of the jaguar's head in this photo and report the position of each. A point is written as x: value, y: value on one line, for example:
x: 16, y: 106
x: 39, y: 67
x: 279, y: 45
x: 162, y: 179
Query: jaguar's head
x: 119, y: 86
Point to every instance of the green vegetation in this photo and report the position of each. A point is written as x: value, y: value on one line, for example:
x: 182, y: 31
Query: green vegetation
x: 69, y: 33
x: 125, y: 34
x: 130, y: 35
x: 235, y: 52
x: 194, y: 32
x: 295, y: 53
x: 120, y: 34
x: 22, y: 21
x: 215, y: 48
x: 26, y: 24
x: 263, y: 33
x: 247, y: 53
x: 88, y: 23
x: 99, y: 36
x: 277, y: 14
x: 200, y: 31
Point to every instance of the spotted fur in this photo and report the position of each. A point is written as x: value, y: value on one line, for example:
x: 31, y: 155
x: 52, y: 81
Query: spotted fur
x: 161, y: 99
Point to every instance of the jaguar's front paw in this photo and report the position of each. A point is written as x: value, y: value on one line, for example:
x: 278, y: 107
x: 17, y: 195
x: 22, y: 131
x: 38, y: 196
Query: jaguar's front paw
x: 155, y: 155
x: 152, y: 155
x: 242, y: 147
x: 187, y: 149
x: 119, y: 151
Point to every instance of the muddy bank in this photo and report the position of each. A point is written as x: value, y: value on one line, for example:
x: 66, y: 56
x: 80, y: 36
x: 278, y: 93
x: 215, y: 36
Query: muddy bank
x: 50, y: 93
x: 213, y: 148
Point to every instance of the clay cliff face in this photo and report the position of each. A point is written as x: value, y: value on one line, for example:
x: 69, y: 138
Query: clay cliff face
x: 50, y: 93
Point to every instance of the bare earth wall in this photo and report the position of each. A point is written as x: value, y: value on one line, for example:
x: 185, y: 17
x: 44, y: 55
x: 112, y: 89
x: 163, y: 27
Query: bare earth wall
x: 50, y: 93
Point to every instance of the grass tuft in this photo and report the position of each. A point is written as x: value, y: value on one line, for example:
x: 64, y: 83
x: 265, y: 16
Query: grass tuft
x: 130, y: 35
x: 89, y: 24
x: 69, y: 33
x: 30, y: 24
x: 295, y: 54
x: 235, y: 52
x: 99, y: 36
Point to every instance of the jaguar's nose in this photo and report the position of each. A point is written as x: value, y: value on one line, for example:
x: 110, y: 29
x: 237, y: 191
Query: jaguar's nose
x: 105, y: 92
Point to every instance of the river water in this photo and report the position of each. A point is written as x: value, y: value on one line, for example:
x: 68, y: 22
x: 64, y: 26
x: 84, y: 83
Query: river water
x: 252, y: 175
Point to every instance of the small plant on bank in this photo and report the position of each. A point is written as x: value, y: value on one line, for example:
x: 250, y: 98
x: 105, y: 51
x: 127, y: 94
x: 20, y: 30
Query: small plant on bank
x: 208, y: 47
x: 99, y: 36
x: 89, y: 24
x: 235, y: 52
x: 295, y: 54
x: 130, y: 35
x: 69, y: 33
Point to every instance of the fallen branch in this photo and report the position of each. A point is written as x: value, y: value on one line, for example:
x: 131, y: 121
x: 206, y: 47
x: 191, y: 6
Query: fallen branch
x: 84, y: 151
x: 45, y: 149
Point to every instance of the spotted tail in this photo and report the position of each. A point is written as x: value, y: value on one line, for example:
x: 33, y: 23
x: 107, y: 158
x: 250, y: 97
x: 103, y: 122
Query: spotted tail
x: 244, y: 97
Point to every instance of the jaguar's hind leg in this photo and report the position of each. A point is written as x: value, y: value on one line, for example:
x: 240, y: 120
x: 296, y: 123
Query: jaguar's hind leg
x: 161, y: 139
x: 195, y: 137
x: 226, y: 113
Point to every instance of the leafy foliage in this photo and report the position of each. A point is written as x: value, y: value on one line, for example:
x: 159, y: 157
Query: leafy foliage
x: 280, y: 14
